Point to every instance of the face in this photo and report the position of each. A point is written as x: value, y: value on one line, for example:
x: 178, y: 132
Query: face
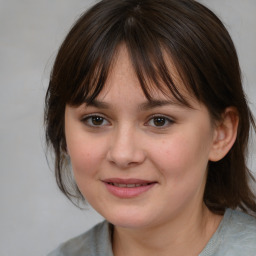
x: 139, y: 163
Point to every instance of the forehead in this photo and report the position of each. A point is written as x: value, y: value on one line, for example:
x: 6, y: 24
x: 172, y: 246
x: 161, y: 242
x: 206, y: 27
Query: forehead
x: 123, y: 76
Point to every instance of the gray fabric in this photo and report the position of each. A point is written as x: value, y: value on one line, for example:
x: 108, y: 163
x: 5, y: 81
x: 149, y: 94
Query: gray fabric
x: 95, y: 242
x: 235, y: 236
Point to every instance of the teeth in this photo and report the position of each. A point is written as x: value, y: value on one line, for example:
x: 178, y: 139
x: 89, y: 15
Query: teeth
x: 127, y: 185
x: 120, y: 185
x: 131, y: 185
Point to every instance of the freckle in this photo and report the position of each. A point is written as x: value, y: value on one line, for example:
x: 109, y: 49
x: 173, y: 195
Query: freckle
x: 86, y: 155
x: 167, y: 152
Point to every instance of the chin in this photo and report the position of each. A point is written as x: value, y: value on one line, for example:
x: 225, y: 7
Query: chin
x: 130, y: 219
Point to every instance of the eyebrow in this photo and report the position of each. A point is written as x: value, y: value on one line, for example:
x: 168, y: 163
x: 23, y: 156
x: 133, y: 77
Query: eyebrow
x: 157, y: 103
x: 98, y: 104
x: 142, y: 107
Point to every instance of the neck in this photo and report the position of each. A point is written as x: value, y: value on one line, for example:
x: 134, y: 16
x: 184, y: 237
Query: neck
x: 187, y: 234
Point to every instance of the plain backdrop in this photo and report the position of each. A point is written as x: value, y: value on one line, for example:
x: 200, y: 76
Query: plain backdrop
x: 34, y: 216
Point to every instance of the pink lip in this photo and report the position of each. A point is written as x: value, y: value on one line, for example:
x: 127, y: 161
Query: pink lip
x: 128, y: 192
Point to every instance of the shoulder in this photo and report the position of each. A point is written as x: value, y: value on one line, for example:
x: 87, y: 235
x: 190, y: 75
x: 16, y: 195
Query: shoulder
x: 242, y: 225
x: 94, y: 242
x: 238, y: 234
x: 241, y: 218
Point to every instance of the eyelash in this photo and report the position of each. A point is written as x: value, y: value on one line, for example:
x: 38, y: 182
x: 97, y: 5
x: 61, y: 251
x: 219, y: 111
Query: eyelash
x: 88, y: 121
x: 89, y: 118
x: 166, y: 119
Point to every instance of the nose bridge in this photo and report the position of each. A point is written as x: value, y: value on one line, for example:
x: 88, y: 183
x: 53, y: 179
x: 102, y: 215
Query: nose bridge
x: 125, y: 148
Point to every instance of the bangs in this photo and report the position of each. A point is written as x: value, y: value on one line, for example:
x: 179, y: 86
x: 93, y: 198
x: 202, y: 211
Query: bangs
x: 95, y: 51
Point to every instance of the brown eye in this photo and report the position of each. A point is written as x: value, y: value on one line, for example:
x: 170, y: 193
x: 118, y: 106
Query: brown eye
x: 159, y: 121
x: 95, y: 121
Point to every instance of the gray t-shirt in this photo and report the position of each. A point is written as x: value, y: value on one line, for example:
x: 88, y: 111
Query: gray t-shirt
x: 235, y: 236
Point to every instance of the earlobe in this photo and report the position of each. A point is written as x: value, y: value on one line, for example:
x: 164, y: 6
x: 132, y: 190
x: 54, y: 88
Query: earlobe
x: 225, y: 134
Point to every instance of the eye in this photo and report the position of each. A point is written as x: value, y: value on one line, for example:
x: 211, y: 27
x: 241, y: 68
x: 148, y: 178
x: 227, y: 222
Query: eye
x: 159, y: 121
x: 95, y: 121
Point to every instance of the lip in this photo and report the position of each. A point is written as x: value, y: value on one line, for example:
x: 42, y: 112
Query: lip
x: 128, y: 192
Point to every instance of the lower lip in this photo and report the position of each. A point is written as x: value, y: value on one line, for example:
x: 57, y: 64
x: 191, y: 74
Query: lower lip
x: 128, y: 192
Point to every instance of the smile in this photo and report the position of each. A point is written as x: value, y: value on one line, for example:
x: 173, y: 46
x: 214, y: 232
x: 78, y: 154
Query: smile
x: 122, y: 185
x: 128, y: 188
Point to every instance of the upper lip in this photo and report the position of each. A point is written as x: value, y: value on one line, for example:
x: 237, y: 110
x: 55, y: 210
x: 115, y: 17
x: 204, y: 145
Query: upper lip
x: 127, y: 181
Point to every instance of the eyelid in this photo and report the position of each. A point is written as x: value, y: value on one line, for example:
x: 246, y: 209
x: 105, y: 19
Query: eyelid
x: 86, y: 117
x: 169, y: 119
x: 92, y: 114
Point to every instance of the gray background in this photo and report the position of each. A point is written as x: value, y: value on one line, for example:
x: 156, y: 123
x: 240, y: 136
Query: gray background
x: 34, y: 216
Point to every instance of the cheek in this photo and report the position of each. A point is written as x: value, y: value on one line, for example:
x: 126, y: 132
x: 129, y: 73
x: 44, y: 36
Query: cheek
x: 182, y: 164
x: 86, y: 155
x: 182, y: 154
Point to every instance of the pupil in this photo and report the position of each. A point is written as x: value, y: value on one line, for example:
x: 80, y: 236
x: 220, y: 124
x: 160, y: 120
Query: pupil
x: 97, y: 120
x: 159, y: 121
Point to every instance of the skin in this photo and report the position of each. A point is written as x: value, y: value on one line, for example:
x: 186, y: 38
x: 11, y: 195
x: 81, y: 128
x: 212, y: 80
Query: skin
x: 127, y: 142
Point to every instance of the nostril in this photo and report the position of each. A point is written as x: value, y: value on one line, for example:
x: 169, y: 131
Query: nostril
x: 124, y: 150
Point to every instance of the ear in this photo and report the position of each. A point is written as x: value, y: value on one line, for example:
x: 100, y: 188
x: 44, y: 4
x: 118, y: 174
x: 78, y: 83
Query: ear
x: 225, y: 134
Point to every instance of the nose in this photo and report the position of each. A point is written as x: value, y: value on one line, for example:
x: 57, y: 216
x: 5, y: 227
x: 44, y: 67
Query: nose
x: 126, y: 149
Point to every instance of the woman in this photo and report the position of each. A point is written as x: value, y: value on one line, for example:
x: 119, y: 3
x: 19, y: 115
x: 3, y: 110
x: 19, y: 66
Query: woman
x: 146, y: 103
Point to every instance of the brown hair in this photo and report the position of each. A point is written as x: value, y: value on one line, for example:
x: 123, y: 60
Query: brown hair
x: 204, y: 55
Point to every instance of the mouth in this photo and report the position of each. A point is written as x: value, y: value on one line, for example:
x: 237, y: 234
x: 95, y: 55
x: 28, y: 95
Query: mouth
x: 123, y: 185
x: 128, y: 188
